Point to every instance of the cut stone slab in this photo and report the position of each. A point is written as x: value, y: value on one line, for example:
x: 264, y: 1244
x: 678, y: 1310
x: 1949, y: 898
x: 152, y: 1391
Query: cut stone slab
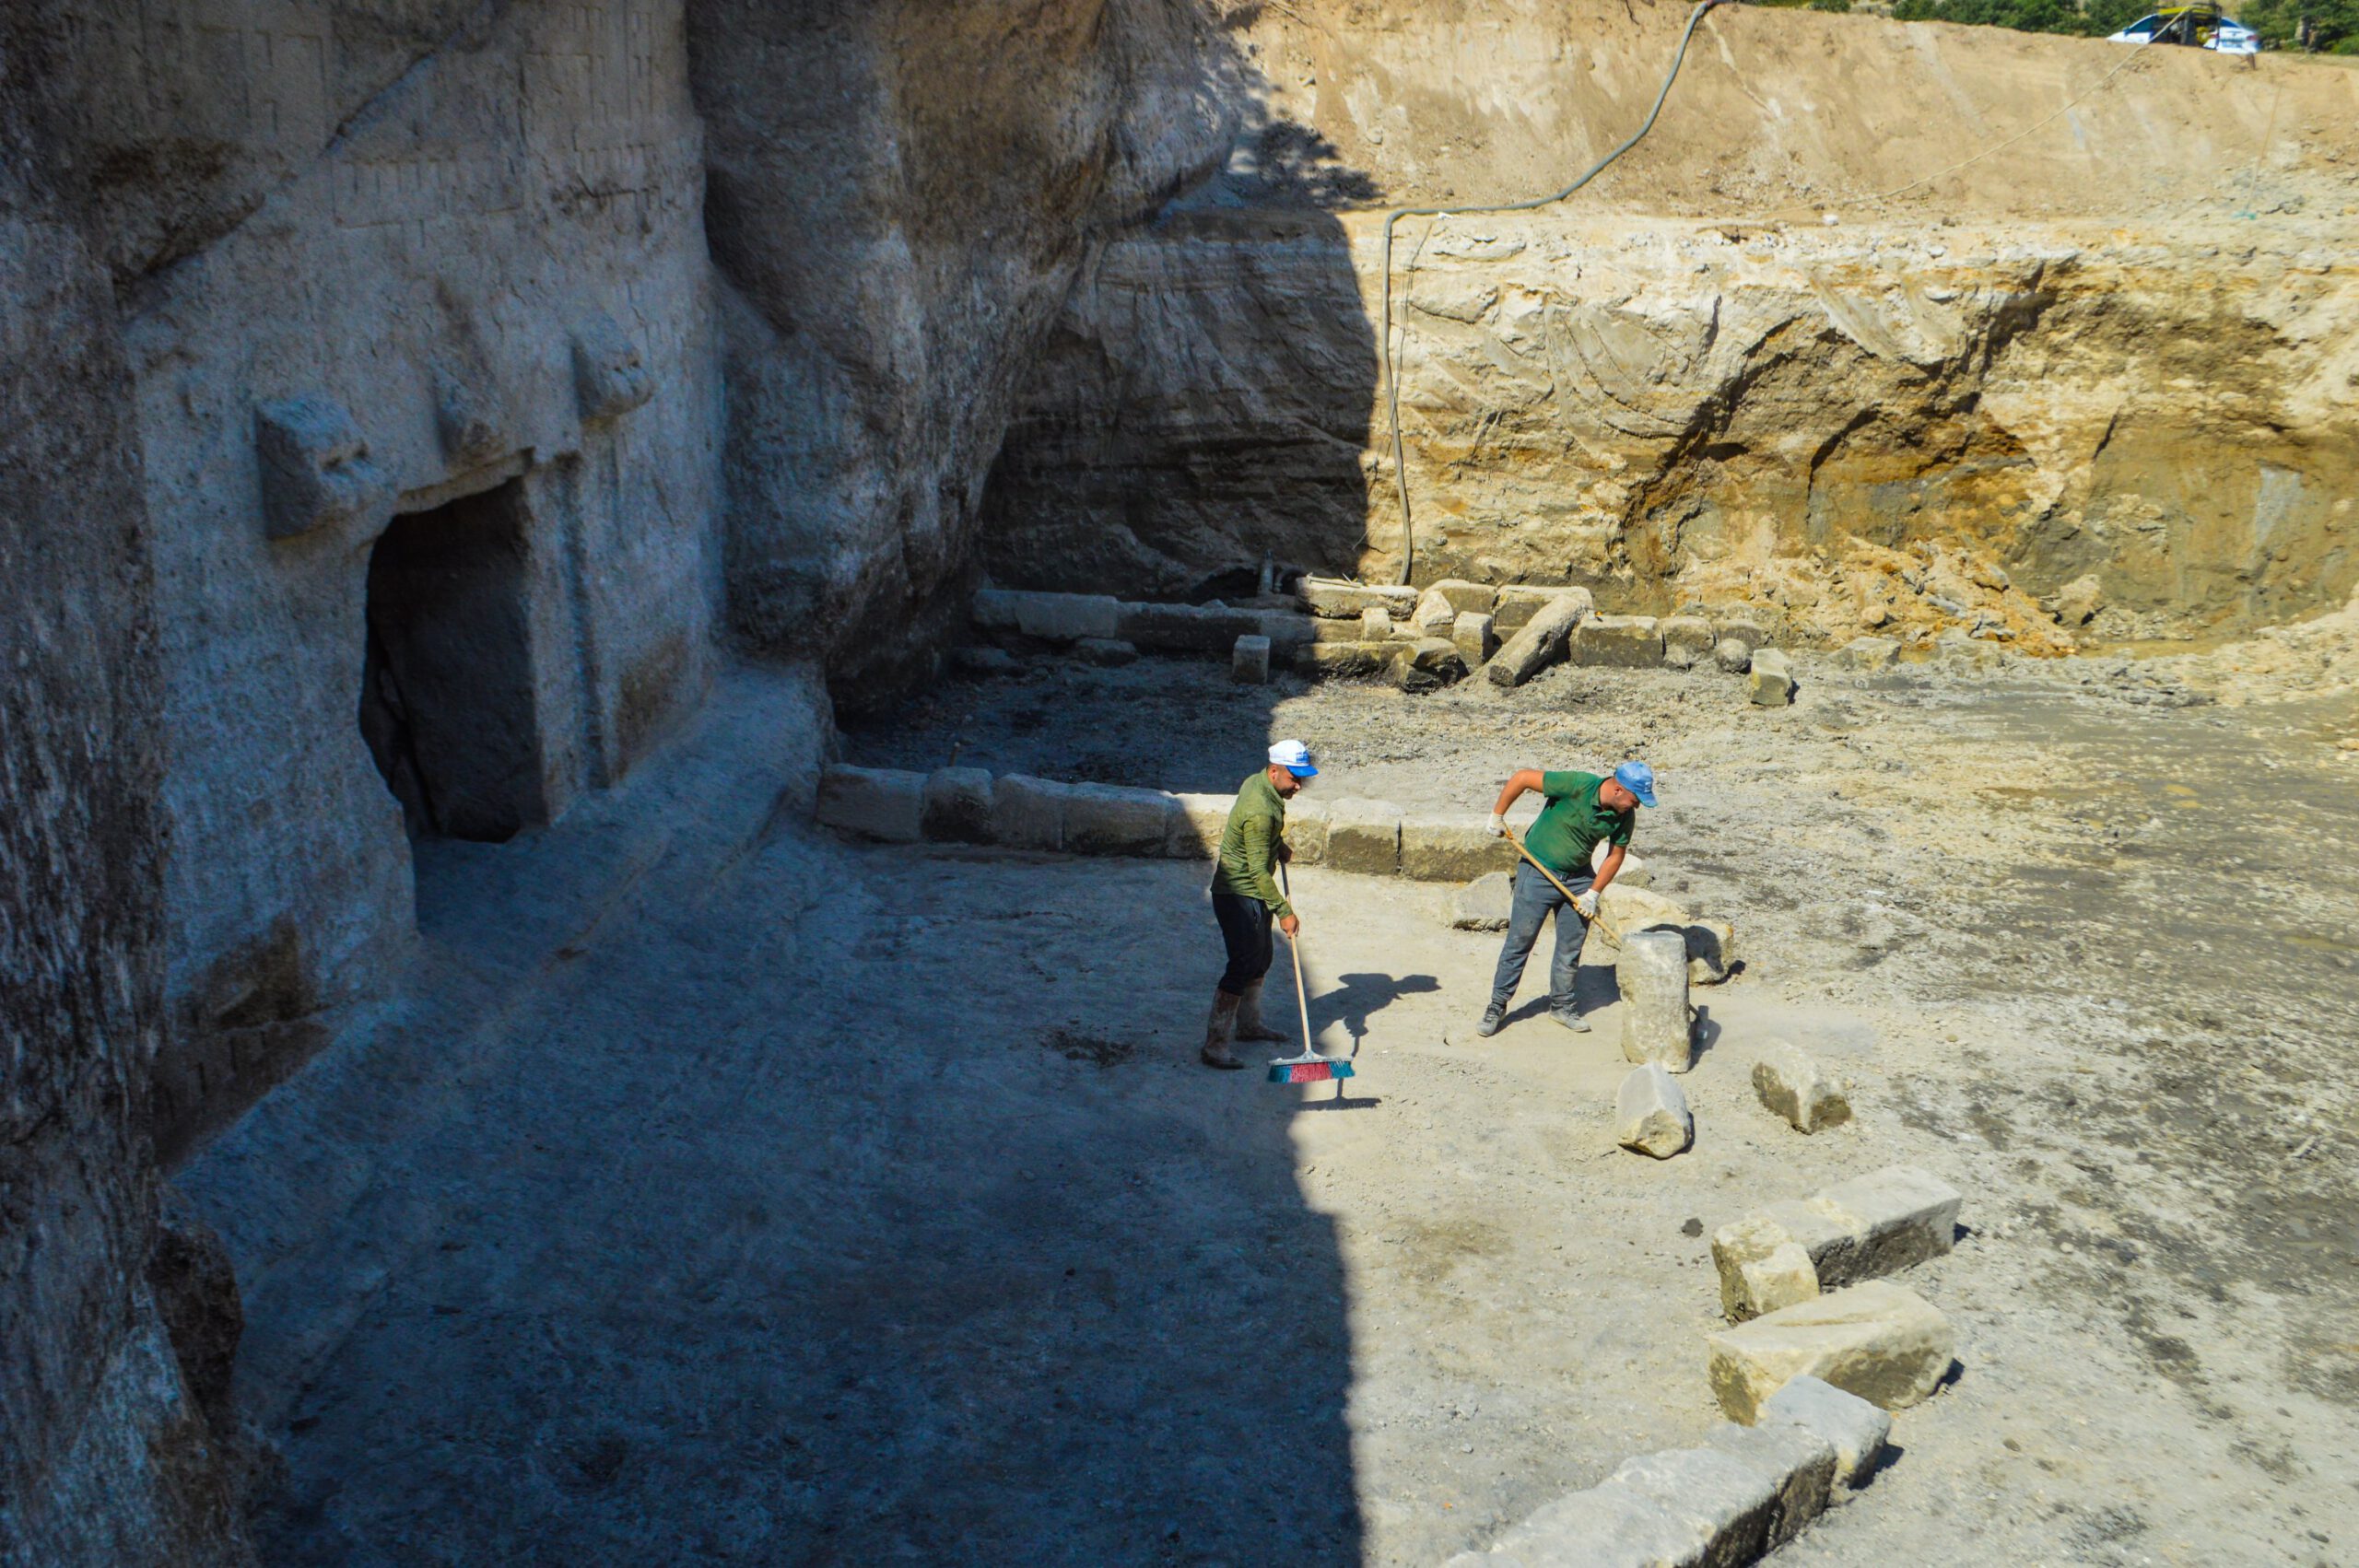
x: 1208, y: 630
x: 1051, y: 617
x: 1885, y: 1345
x: 1109, y: 819
x: 1028, y: 812
x: 1541, y: 642
x: 959, y: 806
x: 1249, y: 662
x: 1475, y: 636
x: 1197, y: 821
x: 1650, y: 1113
x: 1606, y: 1527
x: 1733, y: 1504
x: 1771, y: 683
x: 1712, y: 951
x: 1870, y: 653
x: 1732, y: 654
x: 1800, y: 1463
x: 1286, y: 630
x: 1306, y: 831
x: 1862, y: 1229
x: 1852, y: 1427
x: 887, y: 803
x: 1687, y: 640
x: 1762, y: 1268
x: 1516, y: 607
x: 1325, y: 659
x: 1110, y: 651
x: 1451, y: 848
x: 1656, y: 1024
x: 1465, y: 597
x: 1791, y: 1084
x: 1341, y: 600
x: 1364, y: 836
x: 1485, y: 904
x: 1620, y: 642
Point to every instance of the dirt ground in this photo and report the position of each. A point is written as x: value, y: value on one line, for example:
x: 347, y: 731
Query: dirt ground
x: 729, y: 1194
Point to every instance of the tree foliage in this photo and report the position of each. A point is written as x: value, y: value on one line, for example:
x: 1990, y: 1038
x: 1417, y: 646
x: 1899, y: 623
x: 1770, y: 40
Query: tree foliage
x: 2333, y: 24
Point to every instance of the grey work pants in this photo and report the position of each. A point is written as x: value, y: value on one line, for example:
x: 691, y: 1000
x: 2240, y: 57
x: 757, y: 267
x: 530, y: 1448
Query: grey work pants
x: 1535, y: 899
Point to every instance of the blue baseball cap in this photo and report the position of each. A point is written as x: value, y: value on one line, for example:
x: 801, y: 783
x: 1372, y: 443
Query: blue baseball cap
x: 1639, y: 779
x: 1295, y: 757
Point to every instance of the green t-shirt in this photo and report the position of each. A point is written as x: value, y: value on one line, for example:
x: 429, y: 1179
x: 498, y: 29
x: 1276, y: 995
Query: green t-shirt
x: 1572, y: 823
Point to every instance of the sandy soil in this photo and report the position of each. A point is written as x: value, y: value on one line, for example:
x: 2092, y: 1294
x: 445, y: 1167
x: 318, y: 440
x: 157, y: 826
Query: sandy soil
x: 735, y: 1195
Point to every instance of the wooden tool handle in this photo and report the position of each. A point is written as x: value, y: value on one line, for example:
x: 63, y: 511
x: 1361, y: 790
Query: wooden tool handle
x: 1294, y: 947
x: 1612, y: 935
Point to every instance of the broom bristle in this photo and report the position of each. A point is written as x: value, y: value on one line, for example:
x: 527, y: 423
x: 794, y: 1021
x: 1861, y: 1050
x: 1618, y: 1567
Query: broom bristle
x: 1308, y: 1071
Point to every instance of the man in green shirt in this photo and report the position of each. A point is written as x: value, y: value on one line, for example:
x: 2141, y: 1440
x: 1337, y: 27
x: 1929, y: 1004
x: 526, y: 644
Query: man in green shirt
x: 1583, y: 810
x: 1245, y: 898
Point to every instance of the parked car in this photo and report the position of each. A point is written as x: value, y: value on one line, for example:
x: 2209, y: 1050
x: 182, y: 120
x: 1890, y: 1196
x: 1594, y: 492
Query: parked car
x: 2201, y: 26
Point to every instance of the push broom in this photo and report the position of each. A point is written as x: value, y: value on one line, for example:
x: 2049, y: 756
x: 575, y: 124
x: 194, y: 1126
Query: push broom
x: 1310, y: 1067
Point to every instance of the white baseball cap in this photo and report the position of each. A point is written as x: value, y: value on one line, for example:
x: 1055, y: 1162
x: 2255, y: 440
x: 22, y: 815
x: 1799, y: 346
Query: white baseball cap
x: 1295, y: 757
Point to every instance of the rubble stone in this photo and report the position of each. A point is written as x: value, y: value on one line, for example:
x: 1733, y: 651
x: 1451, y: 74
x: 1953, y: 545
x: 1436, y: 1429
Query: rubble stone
x: 1110, y: 819
x: 1742, y: 626
x: 1656, y: 1024
x: 1622, y: 642
x: 1771, y: 683
x: 1476, y: 637
x: 1364, y: 836
x: 876, y: 802
x: 1762, y: 1268
x: 1626, y: 907
x: 1196, y: 824
x: 958, y: 805
x: 1249, y: 662
x: 1861, y: 1229
x: 1451, y: 848
x: 1877, y: 1340
x: 1870, y: 653
x: 1687, y: 640
x: 1110, y: 651
x: 1376, y: 624
x: 1791, y: 1084
x: 1651, y: 1113
x: 1732, y: 654
x: 1712, y: 951
x: 1856, y: 1430
x: 1540, y: 643
x: 1028, y: 812
x: 1341, y: 600
x: 1485, y: 904
x: 2076, y: 603
x: 1434, y: 614
x: 1427, y: 663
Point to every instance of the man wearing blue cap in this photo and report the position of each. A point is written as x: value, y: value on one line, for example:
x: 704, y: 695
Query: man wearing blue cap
x: 1246, y: 897
x: 1583, y: 809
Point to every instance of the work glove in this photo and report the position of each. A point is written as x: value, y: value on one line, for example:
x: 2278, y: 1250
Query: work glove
x: 1499, y: 825
x: 1586, y: 902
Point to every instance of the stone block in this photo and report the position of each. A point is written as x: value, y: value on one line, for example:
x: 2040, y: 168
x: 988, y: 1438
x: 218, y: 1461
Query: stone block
x: 1771, y: 682
x: 1110, y: 819
x: 1475, y: 636
x: 610, y: 376
x: 1485, y: 904
x: 1249, y: 662
x: 1451, y: 848
x: 1426, y: 664
x: 1712, y: 951
x: 1434, y: 614
x: 1877, y: 1340
x: 1515, y: 607
x: 1738, y: 1500
x: 1336, y: 631
x: 1109, y: 652
x: 1790, y: 1083
x: 1625, y: 908
x: 1306, y: 830
x: 1364, y: 836
x: 1762, y: 1268
x: 1656, y: 1024
x: 1606, y: 1527
x: 1208, y: 630
x: 1687, y: 640
x: 1028, y: 812
x: 1856, y: 1430
x: 1376, y: 624
x: 315, y: 469
x: 1650, y: 1113
x: 876, y: 802
x: 1621, y: 642
x: 1344, y: 600
x: 958, y: 805
x: 1869, y: 653
x: 1800, y: 1463
x: 1541, y: 642
x: 1465, y: 597
x: 1893, y: 1218
x: 1318, y: 660
x: 1197, y: 822
x: 1732, y: 654
x: 1069, y: 617
x: 1742, y: 626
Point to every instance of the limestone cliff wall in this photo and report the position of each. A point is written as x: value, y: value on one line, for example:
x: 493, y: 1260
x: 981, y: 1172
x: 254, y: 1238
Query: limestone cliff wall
x: 1685, y: 385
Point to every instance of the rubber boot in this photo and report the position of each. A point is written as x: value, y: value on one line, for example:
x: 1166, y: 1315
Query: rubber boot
x: 1249, y: 1026
x: 1220, y: 1031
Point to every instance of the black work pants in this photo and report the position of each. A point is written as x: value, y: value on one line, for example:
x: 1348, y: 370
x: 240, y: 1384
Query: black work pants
x: 1245, y: 930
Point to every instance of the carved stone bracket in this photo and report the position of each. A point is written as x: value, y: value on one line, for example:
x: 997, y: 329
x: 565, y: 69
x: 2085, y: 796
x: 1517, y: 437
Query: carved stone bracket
x: 609, y: 378
x: 315, y: 467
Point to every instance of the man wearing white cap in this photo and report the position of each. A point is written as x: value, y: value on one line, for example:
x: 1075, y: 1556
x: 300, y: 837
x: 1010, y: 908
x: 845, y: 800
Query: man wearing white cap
x: 1246, y: 895
x: 1583, y: 810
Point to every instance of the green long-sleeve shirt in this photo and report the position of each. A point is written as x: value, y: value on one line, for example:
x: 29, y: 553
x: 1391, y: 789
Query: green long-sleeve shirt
x: 1248, y: 845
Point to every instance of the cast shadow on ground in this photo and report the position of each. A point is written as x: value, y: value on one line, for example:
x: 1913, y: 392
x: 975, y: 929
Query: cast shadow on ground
x: 1355, y: 997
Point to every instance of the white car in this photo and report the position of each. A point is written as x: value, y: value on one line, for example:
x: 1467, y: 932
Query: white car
x: 2191, y: 25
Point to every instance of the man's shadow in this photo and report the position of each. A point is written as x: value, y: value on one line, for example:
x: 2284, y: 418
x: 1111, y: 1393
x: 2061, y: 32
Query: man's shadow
x: 1357, y: 997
